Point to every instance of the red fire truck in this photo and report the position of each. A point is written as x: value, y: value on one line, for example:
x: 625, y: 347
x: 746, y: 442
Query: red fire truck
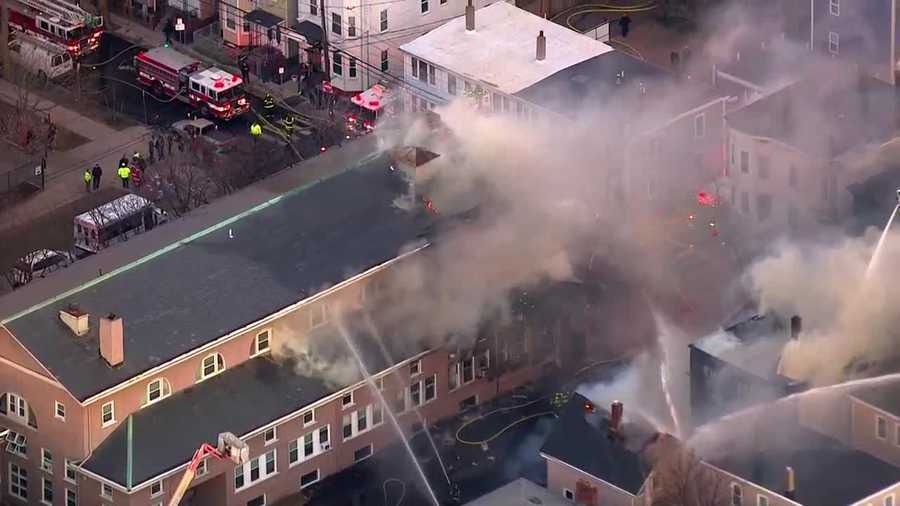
x: 57, y: 21
x: 215, y: 92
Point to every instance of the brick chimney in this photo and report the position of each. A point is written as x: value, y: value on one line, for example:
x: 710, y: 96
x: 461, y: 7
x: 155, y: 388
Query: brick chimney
x: 616, y: 411
x: 541, y: 47
x: 470, y: 17
x: 112, y: 346
x: 75, y: 319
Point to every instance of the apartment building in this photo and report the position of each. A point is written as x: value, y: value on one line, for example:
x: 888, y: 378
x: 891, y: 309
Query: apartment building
x: 270, y: 23
x: 110, y: 383
x: 792, y: 154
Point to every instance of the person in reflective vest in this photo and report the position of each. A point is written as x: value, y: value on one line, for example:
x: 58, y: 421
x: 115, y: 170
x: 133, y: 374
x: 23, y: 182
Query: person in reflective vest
x: 88, y: 178
x: 256, y: 130
x: 288, y: 123
x: 269, y: 105
x: 124, y: 174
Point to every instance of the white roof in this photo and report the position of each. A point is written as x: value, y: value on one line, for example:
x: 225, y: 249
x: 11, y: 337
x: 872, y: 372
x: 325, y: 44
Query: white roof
x: 501, y: 50
x: 216, y: 78
x: 170, y: 58
x: 114, y: 210
x: 521, y: 492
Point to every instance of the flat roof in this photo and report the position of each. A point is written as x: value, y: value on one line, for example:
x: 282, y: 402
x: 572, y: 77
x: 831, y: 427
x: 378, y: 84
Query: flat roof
x: 521, y: 492
x: 252, y: 264
x: 501, y: 50
x: 827, y: 473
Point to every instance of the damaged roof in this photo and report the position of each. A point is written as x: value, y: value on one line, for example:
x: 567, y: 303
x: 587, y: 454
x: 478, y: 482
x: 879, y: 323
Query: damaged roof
x: 827, y: 472
x: 581, y: 440
x: 753, y: 345
x: 253, y: 263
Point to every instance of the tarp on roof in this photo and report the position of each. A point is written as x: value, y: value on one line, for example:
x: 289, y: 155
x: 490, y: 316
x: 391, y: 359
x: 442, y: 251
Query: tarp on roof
x: 373, y: 99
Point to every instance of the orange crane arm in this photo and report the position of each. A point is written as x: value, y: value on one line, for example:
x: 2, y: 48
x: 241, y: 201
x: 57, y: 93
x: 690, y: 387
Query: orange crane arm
x: 186, y: 479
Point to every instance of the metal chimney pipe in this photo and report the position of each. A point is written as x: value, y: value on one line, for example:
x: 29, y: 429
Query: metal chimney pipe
x: 541, y: 46
x: 796, y: 326
x: 616, y: 410
x: 470, y: 17
x: 791, y: 491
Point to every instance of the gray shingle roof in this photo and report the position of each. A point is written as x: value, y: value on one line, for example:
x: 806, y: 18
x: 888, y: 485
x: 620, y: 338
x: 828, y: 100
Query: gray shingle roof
x: 211, y: 285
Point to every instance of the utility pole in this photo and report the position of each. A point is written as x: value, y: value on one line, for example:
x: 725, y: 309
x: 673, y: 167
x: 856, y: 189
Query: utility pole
x: 4, y: 40
x: 326, y: 58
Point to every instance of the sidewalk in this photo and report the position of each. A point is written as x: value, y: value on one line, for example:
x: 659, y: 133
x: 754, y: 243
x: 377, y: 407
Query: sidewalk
x: 64, y: 183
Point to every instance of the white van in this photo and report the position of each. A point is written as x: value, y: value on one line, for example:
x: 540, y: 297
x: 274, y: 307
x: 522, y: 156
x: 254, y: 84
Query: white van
x: 114, y: 221
x: 40, y: 57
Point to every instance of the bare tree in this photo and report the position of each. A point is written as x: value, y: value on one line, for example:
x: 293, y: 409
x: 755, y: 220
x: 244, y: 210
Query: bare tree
x: 681, y: 479
x: 180, y: 182
x: 26, y: 123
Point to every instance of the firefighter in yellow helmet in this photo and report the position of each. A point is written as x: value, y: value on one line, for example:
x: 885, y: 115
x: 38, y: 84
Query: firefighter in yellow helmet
x: 124, y: 174
x: 269, y: 105
x: 88, y: 179
x: 288, y: 123
x: 255, y: 131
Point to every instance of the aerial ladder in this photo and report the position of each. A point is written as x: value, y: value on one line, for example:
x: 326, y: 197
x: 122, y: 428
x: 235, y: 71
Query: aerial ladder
x: 229, y: 447
x: 64, y: 10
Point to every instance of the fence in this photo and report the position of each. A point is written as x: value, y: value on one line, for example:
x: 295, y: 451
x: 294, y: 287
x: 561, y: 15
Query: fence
x: 28, y: 177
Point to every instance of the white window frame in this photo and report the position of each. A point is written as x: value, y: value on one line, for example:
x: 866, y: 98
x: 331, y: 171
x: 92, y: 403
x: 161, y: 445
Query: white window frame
x: 462, y: 376
x: 569, y: 495
x: 834, y: 43
x: 56, y: 411
x: 348, y: 404
x: 216, y: 370
x: 159, y: 492
x: 762, y: 500
x: 106, y: 491
x: 318, y: 477
x: 352, y: 69
x: 890, y: 502
x: 880, y: 421
x: 700, y: 126
x: 112, y: 414
x: 165, y: 390
x: 454, y: 377
x: 371, y: 448
x: 369, y: 411
x: 313, y: 7
x: 18, y: 484
x: 269, y: 440
x: 46, y: 463
x: 16, y: 404
x: 303, y: 418
x: 834, y: 7
x: 351, y: 27
x: 319, y: 447
x: 383, y: 20
x: 268, y: 340
x: 322, y: 308
x: 424, y: 6
x: 415, y: 368
x: 69, y: 467
x: 736, y: 487
x: 261, y: 462
x: 202, y: 468
x: 44, y: 482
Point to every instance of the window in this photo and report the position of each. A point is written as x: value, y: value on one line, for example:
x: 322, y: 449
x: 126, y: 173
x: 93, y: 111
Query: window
x: 880, y: 427
x: 415, y: 367
x: 415, y: 393
x: 430, y: 388
x: 889, y: 500
x: 357, y: 422
x: 347, y: 400
x: 453, y: 376
x: 763, y: 206
x: 262, y: 343
x: 259, y: 500
x: 318, y: 315
x: 424, y: 6
x: 18, y: 482
x: 834, y: 7
x: 699, y: 126
x: 229, y: 17
x: 202, y: 468
x: 211, y: 365
x: 484, y: 360
x: 70, y: 471
x: 415, y: 67
x: 362, y: 453
x: 270, y: 436
x: 351, y: 26
x: 106, y: 491
x: 737, y: 495
x: 762, y: 500
x: 309, y: 445
x: 309, y: 478
x: 309, y: 418
x: 764, y: 166
x: 46, y: 491
x: 313, y: 7
x: 71, y: 498
x: 59, y: 410
x: 569, y: 495
x: 156, y: 488
x: 384, y: 20
x: 337, y: 69
x: 834, y: 43
x: 745, y: 162
x: 107, y: 414
x: 158, y: 389
x: 255, y: 470
x: 46, y: 460
x: 335, y: 23
x: 385, y: 65
x: 352, y: 67
x: 792, y: 176
x: 16, y: 406
x: 468, y: 370
x: 423, y: 71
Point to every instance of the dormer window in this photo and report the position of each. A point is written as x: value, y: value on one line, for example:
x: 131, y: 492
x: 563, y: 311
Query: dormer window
x: 211, y: 365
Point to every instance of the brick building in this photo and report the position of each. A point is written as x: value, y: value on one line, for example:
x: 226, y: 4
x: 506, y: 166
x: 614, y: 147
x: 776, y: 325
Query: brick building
x: 111, y: 382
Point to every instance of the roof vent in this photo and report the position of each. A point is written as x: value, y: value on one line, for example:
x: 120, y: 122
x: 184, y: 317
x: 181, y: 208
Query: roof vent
x: 470, y: 17
x: 541, y: 46
x: 112, y: 346
x: 75, y: 319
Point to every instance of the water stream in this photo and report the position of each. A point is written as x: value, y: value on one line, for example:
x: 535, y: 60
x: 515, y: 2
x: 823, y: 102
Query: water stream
x: 342, y: 330
x: 877, y: 253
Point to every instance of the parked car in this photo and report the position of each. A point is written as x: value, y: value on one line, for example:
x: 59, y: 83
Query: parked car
x: 38, y: 263
x: 115, y: 221
x: 40, y: 57
x: 208, y: 132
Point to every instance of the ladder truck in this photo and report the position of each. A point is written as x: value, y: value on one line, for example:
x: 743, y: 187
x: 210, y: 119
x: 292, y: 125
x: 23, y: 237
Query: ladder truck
x: 229, y: 447
x: 214, y: 92
x: 57, y: 21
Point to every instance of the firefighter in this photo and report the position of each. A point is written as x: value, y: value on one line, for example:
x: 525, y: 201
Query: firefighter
x: 88, y: 178
x: 288, y: 123
x: 269, y: 105
x: 124, y: 174
x: 255, y: 131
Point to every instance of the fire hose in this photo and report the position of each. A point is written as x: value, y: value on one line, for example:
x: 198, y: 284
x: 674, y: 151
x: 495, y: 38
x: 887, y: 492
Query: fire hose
x: 504, y: 429
x: 607, y: 8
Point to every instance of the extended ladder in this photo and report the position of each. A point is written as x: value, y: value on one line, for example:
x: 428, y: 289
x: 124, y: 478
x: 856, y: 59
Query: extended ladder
x: 61, y: 9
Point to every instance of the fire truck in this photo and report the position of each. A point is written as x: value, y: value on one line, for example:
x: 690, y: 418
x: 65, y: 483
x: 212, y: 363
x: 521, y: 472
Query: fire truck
x: 57, y: 21
x: 168, y: 73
